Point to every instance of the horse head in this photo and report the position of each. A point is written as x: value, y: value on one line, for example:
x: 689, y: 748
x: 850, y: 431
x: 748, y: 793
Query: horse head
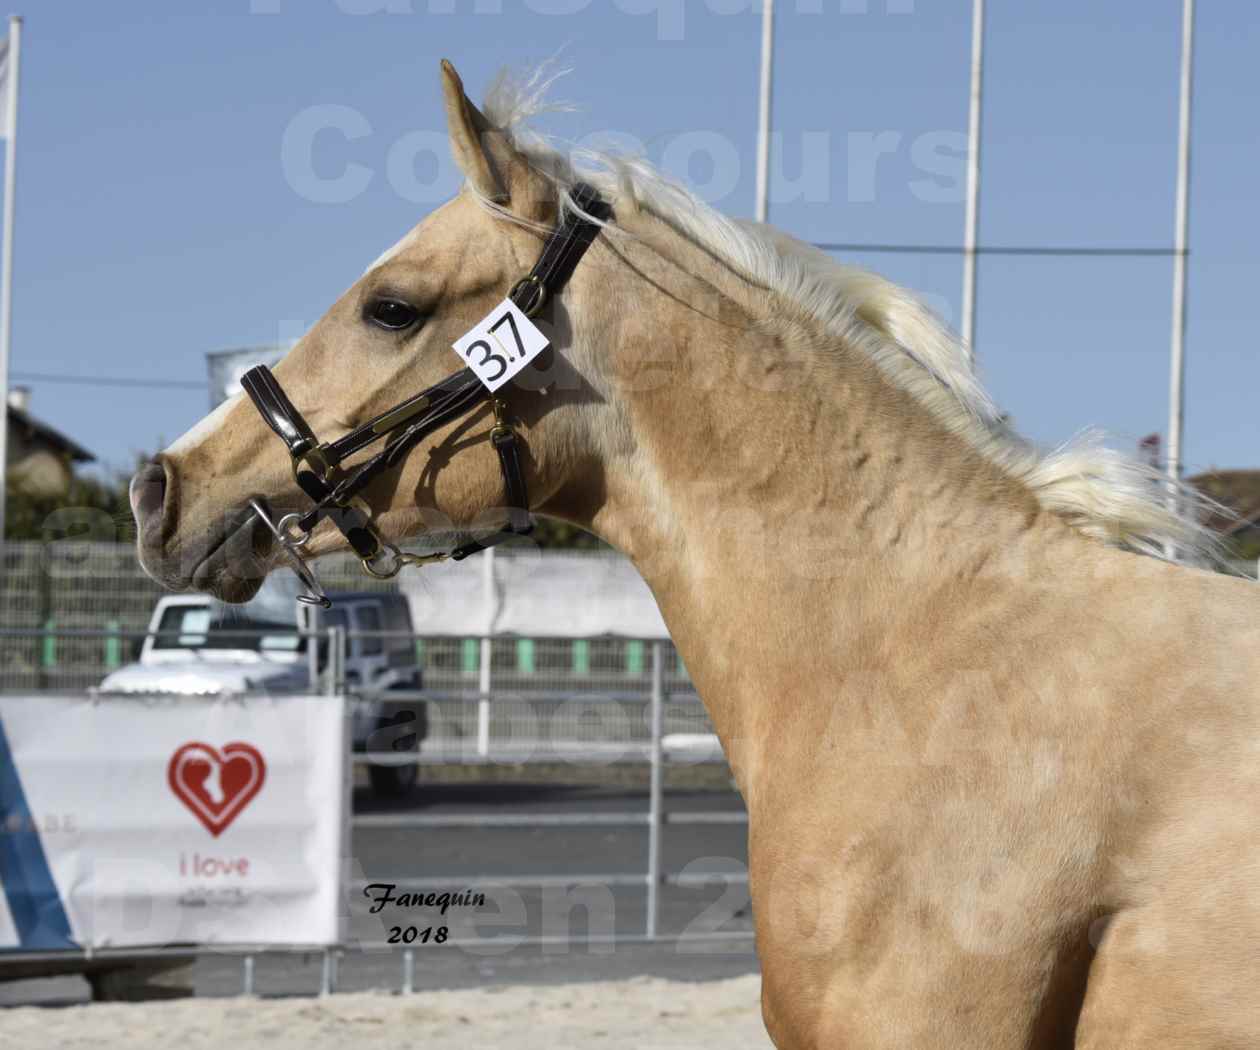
x: 387, y: 338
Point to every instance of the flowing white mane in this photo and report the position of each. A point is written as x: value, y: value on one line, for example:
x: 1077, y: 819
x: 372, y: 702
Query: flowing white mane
x: 1099, y: 490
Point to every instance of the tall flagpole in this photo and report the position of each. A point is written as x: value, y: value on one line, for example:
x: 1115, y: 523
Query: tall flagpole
x: 763, y: 112
x: 971, y: 230
x: 6, y: 252
x: 1176, y: 386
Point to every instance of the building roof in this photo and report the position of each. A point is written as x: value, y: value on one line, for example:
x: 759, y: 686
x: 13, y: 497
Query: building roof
x: 22, y: 420
x: 1238, y: 491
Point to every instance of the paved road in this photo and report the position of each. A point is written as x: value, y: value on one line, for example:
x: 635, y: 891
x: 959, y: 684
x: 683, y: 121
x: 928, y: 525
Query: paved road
x: 576, y: 918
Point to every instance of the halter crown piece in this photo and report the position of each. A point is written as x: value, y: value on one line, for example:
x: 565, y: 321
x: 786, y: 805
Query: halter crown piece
x: 334, y: 490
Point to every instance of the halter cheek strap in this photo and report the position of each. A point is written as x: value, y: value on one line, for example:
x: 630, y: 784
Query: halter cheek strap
x: 334, y: 493
x: 507, y: 444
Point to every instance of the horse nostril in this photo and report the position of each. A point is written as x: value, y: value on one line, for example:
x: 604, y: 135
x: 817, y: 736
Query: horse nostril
x: 148, y: 492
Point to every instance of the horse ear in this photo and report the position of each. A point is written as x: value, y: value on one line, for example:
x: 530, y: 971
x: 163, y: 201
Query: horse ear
x: 489, y: 160
x: 473, y: 140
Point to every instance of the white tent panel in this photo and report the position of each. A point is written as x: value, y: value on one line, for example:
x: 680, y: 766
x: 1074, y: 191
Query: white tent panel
x: 538, y: 594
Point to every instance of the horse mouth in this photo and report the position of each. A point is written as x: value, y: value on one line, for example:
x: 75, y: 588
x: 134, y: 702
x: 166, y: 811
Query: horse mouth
x: 237, y: 558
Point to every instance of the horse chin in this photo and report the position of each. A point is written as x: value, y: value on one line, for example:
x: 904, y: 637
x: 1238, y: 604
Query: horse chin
x: 228, y: 562
x: 237, y: 559
x: 227, y: 588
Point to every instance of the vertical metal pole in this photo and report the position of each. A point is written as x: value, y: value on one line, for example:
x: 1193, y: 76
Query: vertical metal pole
x: 655, y: 788
x: 310, y: 622
x: 1176, y: 388
x: 6, y: 256
x: 247, y: 975
x: 328, y: 973
x: 483, y: 678
x: 483, y: 705
x: 762, y: 207
x: 971, y: 230
x: 336, y: 661
x: 409, y: 971
x: 336, y: 688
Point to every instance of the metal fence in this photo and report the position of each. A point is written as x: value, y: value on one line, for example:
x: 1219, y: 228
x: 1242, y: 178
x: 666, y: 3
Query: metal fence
x: 560, y: 691
x: 83, y: 604
x: 593, y: 700
x: 660, y: 706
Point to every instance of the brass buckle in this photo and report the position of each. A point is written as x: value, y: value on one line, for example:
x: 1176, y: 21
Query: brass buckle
x: 540, y: 294
x: 319, y: 463
x: 501, y: 424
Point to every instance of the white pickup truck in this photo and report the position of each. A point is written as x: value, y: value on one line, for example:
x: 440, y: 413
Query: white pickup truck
x: 197, y: 646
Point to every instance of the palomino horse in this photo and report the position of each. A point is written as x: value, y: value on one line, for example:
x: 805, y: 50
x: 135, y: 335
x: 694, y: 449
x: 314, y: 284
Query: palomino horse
x: 1001, y: 769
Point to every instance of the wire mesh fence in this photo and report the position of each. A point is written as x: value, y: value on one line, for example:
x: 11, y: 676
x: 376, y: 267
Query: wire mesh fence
x: 571, y: 689
x: 57, y: 589
x: 72, y: 613
x: 526, y: 709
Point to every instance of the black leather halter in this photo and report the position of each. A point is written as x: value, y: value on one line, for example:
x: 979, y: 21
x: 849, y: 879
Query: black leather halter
x: 334, y: 491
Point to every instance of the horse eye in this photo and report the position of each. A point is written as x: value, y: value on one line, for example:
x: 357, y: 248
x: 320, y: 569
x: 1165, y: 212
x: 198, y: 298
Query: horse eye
x: 392, y: 314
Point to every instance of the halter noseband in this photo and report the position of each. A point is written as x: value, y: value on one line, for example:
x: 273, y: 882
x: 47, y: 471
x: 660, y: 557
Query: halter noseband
x: 317, y: 467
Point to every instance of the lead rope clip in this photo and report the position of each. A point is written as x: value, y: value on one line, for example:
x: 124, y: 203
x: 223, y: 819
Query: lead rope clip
x: 399, y: 561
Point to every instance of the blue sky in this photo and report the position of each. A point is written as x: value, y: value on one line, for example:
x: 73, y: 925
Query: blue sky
x: 169, y: 204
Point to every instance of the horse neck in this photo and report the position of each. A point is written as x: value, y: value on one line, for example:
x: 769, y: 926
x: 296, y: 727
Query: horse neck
x: 789, y: 506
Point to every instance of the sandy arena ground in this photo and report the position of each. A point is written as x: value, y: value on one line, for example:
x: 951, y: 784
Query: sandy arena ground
x: 643, y: 1014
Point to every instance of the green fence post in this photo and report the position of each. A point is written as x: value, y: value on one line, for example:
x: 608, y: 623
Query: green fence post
x: 525, y: 655
x: 113, y: 645
x: 419, y: 652
x: 470, y: 656
x: 49, y: 656
x: 581, y: 656
x: 634, y: 657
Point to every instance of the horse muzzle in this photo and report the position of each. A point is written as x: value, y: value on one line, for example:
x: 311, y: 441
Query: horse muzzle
x: 227, y: 555
x: 147, y: 493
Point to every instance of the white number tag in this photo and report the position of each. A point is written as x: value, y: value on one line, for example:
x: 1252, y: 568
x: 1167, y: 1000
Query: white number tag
x: 500, y: 345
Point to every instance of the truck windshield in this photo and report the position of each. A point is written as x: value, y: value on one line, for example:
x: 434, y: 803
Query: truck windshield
x: 195, y: 627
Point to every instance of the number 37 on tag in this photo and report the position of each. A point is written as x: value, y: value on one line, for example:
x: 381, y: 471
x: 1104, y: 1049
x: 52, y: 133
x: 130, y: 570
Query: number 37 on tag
x: 500, y: 345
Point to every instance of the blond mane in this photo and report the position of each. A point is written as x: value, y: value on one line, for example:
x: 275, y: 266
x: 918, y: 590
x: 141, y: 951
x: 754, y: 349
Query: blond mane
x: 1097, y: 489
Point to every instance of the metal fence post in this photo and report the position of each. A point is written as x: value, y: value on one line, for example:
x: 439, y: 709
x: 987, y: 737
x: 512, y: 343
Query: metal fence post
x: 490, y: 598
x: 409, y: 971
x: 247, y: 975
x: 312, y: 655
x: 483, y: 704
x: 328, y: 974
x: 336, y: 686
x: 654, y: 790
x: 336, y: 661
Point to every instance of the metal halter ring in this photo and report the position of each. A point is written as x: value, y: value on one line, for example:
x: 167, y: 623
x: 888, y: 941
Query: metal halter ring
x: 401, y: 560
x: 539, y: 293
x: 290, y: 533
x: 315, y: 593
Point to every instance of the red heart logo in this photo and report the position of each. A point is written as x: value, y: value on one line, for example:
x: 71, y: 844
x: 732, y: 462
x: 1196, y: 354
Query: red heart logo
x: 216, y: 785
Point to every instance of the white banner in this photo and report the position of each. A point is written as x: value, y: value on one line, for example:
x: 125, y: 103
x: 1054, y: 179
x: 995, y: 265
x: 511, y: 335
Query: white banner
x: 537, y: 594
x: 148, y: 821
